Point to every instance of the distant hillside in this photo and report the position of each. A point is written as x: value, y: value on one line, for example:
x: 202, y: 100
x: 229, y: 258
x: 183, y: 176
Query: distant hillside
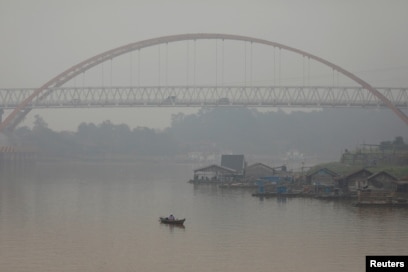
x: 323, y: 133
x: 317, y: 134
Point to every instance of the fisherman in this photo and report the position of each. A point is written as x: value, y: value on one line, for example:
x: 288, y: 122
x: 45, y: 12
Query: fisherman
x: 171, y: 217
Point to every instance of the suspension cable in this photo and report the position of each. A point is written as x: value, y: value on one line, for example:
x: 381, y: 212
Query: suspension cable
x: 187, y: 63
x: 195, y: 63
x: 251, y: 67
x: 216, y: 63
x: 159, y: 75
x: 245, y: 63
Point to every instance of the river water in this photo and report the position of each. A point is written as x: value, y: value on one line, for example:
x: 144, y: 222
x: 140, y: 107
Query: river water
x: 104, y: 217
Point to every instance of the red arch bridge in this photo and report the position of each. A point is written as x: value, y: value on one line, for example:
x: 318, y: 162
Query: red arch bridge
x: 213, y: 70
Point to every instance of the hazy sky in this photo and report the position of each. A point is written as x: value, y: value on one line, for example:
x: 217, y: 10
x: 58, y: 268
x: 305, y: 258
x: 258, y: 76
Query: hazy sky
x: 42, y: 38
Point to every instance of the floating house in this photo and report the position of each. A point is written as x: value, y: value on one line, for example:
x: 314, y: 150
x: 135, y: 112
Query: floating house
x: 351, y: 183
x: 214, y: 173
x: 324, y: 181
x: 232, y: 169
x: 257, y: 171
x: 379, y: 188
x: 381, y: 181
x: 402, y: 188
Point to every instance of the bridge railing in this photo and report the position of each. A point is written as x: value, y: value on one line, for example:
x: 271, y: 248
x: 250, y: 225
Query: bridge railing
x: 198, y: 96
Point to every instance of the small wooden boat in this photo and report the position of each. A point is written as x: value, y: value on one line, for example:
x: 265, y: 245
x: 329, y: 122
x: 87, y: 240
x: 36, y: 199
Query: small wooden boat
x: 166, y: 220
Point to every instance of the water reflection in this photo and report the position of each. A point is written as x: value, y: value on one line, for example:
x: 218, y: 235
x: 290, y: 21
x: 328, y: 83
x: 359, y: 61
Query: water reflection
x: 171, y: 227
x: 105, y: 218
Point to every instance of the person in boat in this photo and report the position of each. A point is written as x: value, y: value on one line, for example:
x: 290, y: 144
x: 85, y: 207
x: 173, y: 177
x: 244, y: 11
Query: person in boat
x: 171, y: 217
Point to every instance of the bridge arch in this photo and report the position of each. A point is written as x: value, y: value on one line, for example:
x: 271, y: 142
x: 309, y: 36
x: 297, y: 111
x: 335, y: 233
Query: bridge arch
x: 17, y: 115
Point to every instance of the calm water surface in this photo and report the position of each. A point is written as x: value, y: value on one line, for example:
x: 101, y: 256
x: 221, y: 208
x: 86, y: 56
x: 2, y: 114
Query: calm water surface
x: 104, y: 217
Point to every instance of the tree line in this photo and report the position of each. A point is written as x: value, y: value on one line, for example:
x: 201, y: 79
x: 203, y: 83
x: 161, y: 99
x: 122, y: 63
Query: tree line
x: 221, y: 130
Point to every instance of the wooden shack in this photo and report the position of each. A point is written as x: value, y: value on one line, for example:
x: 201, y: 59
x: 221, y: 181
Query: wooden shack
x: 350, y: 183
x: 324, y: 181
x: 213, y: 173
x: 258, y: 170
x: 381, y: 181
x: 378, y: 189
x: 402, y: 188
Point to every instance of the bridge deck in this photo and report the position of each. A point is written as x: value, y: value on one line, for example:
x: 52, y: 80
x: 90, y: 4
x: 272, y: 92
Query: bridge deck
x: 199, y: 96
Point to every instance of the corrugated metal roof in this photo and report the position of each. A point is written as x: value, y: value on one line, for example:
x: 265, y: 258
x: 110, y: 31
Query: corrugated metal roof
x: 382, y: 173
x: 236, y: 162
x: 259, y: 165
x: 214, y: 167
